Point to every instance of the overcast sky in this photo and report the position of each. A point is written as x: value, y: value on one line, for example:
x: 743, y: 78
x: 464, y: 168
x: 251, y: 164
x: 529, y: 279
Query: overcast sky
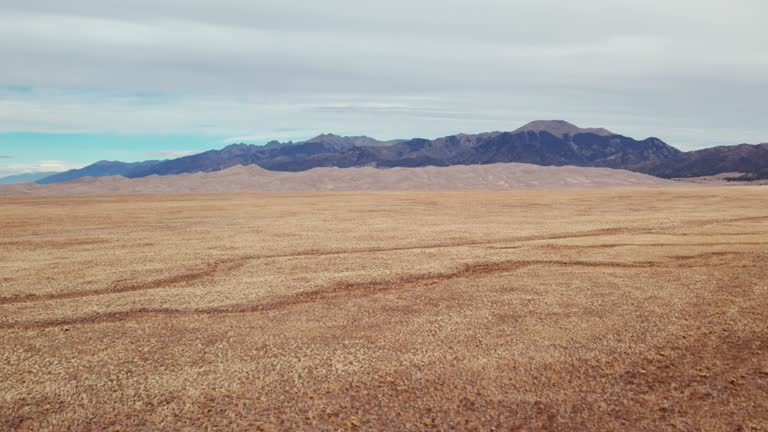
x: 83, y: 80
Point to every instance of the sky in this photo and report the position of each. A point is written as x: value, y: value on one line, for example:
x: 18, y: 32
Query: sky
x: 87, y: 80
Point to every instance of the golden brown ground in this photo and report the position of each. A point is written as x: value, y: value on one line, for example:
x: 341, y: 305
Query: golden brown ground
x: 612, y: 309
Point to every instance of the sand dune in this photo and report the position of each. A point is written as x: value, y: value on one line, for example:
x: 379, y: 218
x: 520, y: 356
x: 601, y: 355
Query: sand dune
x: 255, y: 179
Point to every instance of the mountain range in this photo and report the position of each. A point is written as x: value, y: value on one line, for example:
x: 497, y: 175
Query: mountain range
x: 25, y: 178
x: 548, y: 143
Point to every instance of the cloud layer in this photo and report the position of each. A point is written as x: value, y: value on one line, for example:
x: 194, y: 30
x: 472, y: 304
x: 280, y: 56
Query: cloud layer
x: 694, y: 72
x: 37, y: 166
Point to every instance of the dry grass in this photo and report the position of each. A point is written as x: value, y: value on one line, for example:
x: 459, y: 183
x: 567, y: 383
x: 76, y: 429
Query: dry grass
x: 613, y: 309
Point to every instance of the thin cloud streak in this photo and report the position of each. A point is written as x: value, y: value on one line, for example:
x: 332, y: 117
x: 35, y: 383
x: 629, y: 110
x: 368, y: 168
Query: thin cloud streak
x: 38, y: 166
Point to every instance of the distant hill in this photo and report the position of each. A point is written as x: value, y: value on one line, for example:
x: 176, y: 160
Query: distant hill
x: 98, y: 169
x: 752, y: 160
x: 25, y: 178
x: 761, y: 174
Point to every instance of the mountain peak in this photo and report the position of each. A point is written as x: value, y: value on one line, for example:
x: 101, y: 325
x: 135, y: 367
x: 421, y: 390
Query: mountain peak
x: 239, y: 146
x: 107, y: 162
x: 345, y: 141
x: 325, y: 136
x: 560, y: 128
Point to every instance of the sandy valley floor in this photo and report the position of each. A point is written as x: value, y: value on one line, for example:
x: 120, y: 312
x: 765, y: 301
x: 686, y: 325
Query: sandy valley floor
x: 606, y: 309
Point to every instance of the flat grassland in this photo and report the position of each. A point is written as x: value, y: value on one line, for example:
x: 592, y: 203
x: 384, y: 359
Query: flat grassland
x: 604, y: 309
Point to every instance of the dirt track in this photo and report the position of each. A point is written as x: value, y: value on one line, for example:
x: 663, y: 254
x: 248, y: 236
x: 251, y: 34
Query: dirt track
x: 610, y: 309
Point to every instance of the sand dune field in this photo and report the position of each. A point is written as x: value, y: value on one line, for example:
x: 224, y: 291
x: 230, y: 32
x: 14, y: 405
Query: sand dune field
x: 253, y: 178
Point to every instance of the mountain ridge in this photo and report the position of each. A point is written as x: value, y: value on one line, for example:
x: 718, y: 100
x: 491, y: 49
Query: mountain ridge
x: 751, y: 159
x: 101, y: 168
x: 541, y: 142
x: 25, y: 177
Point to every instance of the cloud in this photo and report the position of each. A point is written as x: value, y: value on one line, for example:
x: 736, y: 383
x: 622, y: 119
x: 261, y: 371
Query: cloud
x: 170, y: 154
x: 283, y: 135
x: 38, y: 166
x: 389, y: 69
x: 6, y: 157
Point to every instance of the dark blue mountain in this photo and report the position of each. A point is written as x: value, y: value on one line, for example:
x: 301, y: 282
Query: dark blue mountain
x: 25, y: 178
x: 98, y: 169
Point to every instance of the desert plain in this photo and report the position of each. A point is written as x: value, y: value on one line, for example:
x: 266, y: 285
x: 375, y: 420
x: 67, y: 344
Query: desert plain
x: 635, y: 308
